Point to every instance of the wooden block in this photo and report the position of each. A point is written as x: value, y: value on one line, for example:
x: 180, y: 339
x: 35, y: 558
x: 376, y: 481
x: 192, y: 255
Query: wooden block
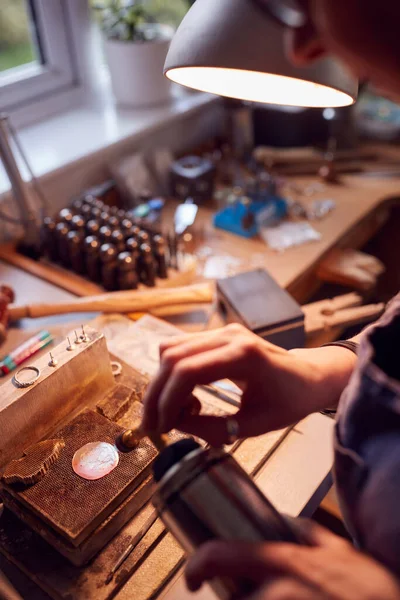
x: 331, y: 504
x: 101, y: 536
x: 72, y: 506
x: 255, y: 300
x: 133, y: 416
x: 27, y: 415
x: 34, y: 464
x: 116, y: 403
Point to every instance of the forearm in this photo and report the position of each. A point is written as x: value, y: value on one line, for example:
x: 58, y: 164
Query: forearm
x: 333, y: 366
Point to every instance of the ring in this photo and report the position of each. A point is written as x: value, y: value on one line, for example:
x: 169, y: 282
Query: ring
x: 116, y: 368
x: 232, y: 428
x: 24, y: 383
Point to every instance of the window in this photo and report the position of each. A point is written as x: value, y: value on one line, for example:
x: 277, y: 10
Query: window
x: 18, y: 42
x: 37, y: 54
x: 49, y: 60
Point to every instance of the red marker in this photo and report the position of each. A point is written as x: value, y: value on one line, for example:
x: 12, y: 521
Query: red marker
x: 24, y: 352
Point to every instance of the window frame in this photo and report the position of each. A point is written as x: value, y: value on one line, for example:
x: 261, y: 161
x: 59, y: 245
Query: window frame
x: 31, y: 92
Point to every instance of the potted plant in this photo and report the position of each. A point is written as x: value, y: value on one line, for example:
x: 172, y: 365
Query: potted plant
x: 136, y: 45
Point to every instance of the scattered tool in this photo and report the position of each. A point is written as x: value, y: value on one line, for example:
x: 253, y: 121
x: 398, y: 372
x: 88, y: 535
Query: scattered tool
x: 95, y: 239
x: 342, y: 311
x: 233, y: 398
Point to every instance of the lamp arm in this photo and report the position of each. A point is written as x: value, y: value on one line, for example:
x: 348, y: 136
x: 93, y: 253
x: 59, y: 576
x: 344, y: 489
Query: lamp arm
x: 20, y: 189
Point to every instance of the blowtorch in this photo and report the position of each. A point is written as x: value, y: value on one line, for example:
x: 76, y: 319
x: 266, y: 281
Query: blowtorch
x: 204, y: 494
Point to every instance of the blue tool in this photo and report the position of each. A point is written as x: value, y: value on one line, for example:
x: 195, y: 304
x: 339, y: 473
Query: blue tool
x: 243, y: 217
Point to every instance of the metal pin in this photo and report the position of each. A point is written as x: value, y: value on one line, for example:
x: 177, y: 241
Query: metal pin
x: 70, y: 347
x: 84, y: 337
x: 77, y: 339
x: 53, y: 361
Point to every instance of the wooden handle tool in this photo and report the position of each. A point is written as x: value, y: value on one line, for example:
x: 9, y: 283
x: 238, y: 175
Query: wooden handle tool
x: 342, y: 311
x: 119, y: 302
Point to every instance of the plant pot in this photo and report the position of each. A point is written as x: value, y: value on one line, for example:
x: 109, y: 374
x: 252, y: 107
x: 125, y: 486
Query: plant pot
x: 136, y: 70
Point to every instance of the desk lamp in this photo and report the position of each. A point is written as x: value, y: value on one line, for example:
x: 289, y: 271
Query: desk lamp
x: 235, y: 48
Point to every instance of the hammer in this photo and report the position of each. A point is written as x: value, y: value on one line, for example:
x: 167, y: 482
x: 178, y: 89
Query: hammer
x: 7, y: 297
x: 130, y: 301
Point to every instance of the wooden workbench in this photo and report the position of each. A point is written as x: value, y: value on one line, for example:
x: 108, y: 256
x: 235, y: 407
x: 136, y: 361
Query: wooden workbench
x: 297, y: 475
x: 295, y: 478
x: 362, y: 206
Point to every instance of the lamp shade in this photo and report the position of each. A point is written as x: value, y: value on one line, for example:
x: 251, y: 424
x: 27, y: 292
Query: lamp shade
x: 231, y: 48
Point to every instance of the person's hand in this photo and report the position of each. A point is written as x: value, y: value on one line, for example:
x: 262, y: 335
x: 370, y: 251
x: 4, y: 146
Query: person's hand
x: 279, y: 387
x: 331, y: 569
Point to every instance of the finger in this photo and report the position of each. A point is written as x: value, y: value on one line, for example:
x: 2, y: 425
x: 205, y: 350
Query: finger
x: 188, y: 338
x: 192, y: 408
x: 255, y: 563
x: 310, y: 565
x: 223, y: 559
x: 191, y: 347
x: 171, y: 356
x: 200, y: 369
x: 150, y: 400
x: 214, y: 429
x: 174, y: 341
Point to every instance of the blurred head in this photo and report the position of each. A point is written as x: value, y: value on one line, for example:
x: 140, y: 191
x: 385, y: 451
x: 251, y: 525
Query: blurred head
x: 363, y: 33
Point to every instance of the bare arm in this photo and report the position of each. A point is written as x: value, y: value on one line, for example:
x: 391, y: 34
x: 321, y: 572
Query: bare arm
x: 334, y: 365
x: 279, y: 387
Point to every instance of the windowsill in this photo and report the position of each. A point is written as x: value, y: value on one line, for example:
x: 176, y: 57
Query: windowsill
x: 77, y: 135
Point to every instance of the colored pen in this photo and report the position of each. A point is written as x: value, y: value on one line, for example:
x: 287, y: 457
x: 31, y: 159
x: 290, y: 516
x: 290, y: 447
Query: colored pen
x: 25, y: 351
